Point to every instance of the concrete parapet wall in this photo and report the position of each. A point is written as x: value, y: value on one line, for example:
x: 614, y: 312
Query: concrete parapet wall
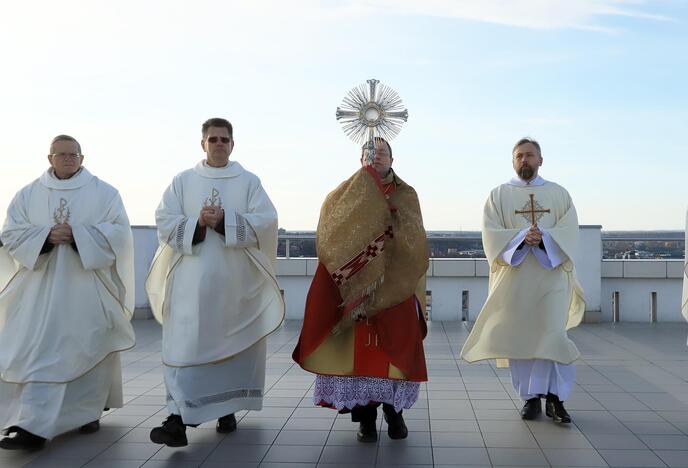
x: 458, y: 287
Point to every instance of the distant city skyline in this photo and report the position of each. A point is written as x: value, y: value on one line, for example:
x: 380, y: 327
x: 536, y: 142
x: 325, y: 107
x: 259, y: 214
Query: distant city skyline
x: 600, y: 83
x: 468, y: 244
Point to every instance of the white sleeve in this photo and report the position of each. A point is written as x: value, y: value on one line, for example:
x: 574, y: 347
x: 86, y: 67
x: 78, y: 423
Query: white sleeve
x: 93, y: 248
x: 257, y: 226
x: 238, y: 232
x: 552, y: 256
x: 22, y: 239
x: 512, y: 254
x: 174, y: 227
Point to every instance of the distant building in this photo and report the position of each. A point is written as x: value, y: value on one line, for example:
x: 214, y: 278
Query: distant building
x: 468, y: 244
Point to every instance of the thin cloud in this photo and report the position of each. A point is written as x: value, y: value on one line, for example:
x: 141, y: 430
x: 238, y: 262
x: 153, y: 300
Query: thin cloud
x: 533, y: 14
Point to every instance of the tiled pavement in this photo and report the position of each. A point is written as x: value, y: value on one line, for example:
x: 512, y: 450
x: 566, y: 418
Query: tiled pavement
x: 630, y: 408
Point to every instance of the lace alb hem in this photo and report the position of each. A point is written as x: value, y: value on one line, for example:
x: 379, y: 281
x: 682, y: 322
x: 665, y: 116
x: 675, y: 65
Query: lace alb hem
x: 349, y: 392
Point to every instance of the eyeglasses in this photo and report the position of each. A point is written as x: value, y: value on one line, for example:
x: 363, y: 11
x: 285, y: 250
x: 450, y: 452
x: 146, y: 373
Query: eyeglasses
x: 66, y: 155
x: 378, y: 152
x: 224, y: 140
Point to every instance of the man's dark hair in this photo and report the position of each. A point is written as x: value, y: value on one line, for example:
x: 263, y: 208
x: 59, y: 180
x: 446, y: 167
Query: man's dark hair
x: 525, y: 140
x: 64, y: 138
x: 217, y: 122
x: 377, y: 142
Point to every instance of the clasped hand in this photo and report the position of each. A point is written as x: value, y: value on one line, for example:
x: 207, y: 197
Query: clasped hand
x: 211, y: 216
x: 533, y: 236
x: 61, y: 234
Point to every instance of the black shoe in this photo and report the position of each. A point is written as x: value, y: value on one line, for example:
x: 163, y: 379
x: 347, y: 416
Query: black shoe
x: 367, y: 431
x: 396, y: 427
x: 531, y: 409
x: 21, y: 440
x: 226, y: 424
x: 554, y: 408
x: 172, y: 432
x: 90, y: 428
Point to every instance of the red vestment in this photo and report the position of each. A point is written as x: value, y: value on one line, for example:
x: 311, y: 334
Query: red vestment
x: 393, y: 335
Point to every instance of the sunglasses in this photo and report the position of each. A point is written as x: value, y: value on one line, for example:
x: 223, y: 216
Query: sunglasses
x: 224, y: 140
x: 64, y: 156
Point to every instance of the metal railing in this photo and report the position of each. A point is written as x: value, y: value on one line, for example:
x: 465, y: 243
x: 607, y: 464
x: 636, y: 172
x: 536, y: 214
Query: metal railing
x: 469, y: 245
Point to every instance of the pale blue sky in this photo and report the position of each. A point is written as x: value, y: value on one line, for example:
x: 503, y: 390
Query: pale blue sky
x: 601, y: 83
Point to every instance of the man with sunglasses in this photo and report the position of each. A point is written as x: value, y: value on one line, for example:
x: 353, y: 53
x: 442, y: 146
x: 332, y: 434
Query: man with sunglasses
x: 212, y: 286
x: 67, y: 295
x: 364, y: 322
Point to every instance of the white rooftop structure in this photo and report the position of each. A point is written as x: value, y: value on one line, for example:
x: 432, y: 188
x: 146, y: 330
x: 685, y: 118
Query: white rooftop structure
x: 615, y: 290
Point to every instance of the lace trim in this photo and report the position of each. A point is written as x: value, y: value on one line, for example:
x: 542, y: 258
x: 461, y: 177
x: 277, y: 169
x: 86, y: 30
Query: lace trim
x: 240, y: 228
x: 220, y: 397
x: 181, y: 227
x: 349, y: 392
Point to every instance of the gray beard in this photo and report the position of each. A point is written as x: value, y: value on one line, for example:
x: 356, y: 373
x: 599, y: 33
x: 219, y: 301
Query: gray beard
x: 526, y: 173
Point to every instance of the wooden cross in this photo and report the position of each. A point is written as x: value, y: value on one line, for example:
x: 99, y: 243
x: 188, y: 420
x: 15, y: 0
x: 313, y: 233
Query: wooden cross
x: 533, y: 210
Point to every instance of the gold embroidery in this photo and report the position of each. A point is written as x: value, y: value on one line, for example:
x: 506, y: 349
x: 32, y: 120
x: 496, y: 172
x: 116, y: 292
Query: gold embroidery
x: 532, y: 211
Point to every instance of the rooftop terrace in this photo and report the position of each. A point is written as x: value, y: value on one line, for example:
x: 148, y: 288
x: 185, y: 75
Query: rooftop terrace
x: 629, y: 408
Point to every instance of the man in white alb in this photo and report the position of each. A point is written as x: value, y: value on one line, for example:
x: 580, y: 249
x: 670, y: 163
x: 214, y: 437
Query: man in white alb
x: 212, y: 286
x: 66, y: 298
x: 530, y: 232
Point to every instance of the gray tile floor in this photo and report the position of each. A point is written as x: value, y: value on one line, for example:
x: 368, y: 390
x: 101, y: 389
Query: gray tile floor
x: 630, y: 408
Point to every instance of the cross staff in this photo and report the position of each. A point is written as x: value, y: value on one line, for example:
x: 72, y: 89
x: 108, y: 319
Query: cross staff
x: 533, y: 210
